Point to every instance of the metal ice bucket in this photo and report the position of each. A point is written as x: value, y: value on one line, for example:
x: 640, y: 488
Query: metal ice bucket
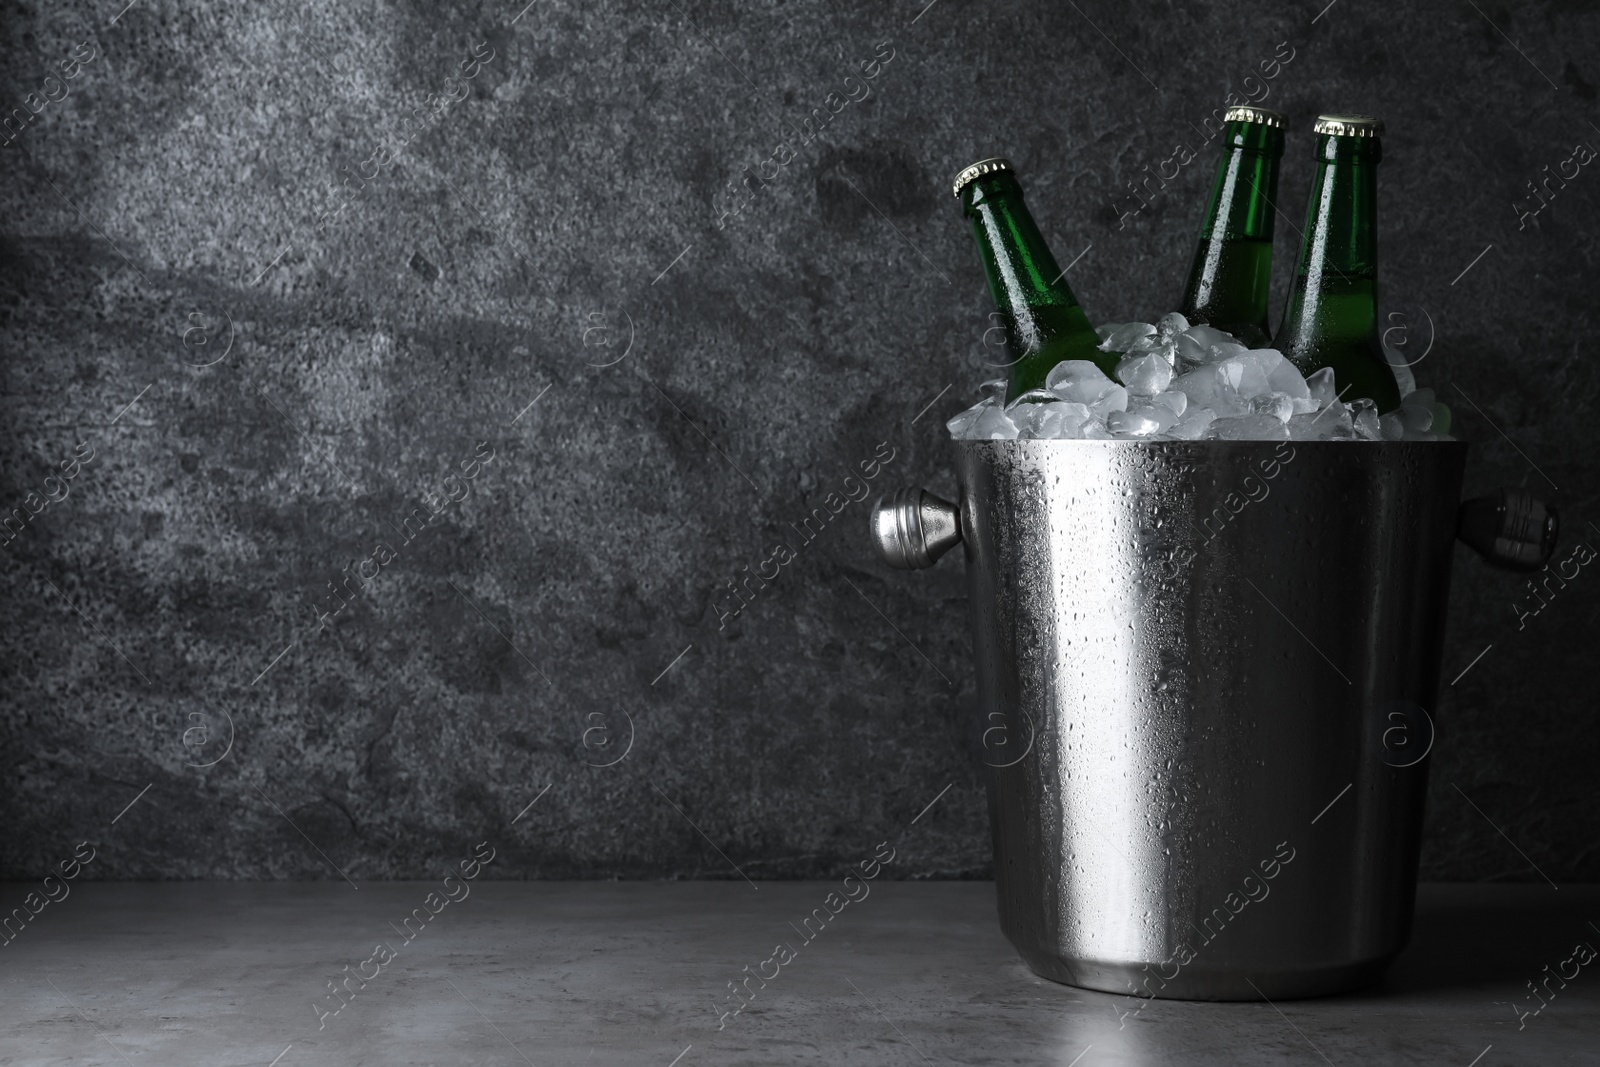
x: 1205, y: 671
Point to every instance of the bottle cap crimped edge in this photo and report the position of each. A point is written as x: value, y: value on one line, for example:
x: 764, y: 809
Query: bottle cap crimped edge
x: 979, y: 169
x: 1349, y: 125
x: 1276, y: 119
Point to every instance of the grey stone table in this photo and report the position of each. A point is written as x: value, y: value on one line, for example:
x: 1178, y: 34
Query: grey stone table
x: 568, y: 973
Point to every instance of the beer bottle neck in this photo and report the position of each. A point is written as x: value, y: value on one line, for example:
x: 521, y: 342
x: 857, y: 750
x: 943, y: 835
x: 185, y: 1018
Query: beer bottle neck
x: 1021, y: 271
x: 1231, y: 277
x: 1247, y: 181
x: 1335, y: 295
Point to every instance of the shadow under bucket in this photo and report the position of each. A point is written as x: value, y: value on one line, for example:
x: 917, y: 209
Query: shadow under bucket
x: 1205, y: 672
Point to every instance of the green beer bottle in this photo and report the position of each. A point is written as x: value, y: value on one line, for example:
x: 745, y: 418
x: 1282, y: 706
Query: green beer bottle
x: 1043, y: 323
x: 1332, y: 315
x: 1232, y: 268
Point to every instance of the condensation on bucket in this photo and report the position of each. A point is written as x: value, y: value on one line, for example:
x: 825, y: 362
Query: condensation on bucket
x: 1200, y: 636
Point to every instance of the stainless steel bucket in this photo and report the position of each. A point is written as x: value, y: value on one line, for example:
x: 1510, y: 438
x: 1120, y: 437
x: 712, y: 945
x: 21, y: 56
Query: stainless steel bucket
x: 1205, y: 672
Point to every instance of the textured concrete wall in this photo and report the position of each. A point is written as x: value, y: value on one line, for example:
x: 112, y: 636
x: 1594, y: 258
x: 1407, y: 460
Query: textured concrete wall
x: 289, y: 270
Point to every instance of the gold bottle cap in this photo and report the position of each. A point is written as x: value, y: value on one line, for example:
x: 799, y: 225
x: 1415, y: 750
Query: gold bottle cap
x: 1350, y: 125
x: 1276, y: 119
x: 979, y: 169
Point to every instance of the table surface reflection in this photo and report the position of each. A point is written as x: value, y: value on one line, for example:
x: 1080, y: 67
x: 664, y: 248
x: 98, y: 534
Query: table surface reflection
x: 639, y: 973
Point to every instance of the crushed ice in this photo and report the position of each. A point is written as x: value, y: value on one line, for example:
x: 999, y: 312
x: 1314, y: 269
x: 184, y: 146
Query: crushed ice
x: 1177, y: 382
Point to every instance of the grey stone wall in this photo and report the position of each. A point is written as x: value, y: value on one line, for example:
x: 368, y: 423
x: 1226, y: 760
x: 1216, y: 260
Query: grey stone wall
x: 581, y: 275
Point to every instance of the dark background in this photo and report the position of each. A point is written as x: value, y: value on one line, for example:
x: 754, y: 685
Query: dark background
x: 565, y: 214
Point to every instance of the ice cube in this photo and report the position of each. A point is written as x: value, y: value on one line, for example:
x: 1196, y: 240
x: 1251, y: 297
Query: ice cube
x: 1195, y: 343
x: 1231, y: 370
x: 1364, y: 416
x: 1073, y: 416
x: 1417, y: 415
x: 1113, y: 399
x: 1174, y: 399
x: 1284, y: 377
x: 1055, y: 421
x: 1136, y: 423
x: 1170, y: 325
x: 1303, y: 427
x: 993, y: 425
x: 995, y: 388
x: 1247, y: 375
x: 1320, y: 386
x: 1144, y: 375
x: 960, y: 427
x: 1097, y: 391
x: 1278, y: 405
x: 1072, y: 370
x: 1213, y: 387
x: 1392, y: 427
x: 1329, y: 424
x: 1190, y: 350
x: 1125, y: 335
x: 1032, y: 396
x: 1067, y: 408
x: 1261, y: 368
x: 1164, y: 415
x: 1192, y: 426
x: 1094, y: 429
x: 1154, y: 346
x: 1418, y: 435
x: 1206, y: 336
x: 1248, y: 428
x: 1106, y: 330
x: 1225, y: 350
x: 1423, y: 414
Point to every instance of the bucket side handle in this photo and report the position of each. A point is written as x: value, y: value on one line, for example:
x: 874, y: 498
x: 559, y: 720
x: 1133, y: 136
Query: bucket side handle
x: 913, y: 528
x: 1511, y: 529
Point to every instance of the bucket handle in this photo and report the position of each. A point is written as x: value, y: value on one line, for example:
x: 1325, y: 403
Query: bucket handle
x: 1511, y: 529
x: 913, y: 528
